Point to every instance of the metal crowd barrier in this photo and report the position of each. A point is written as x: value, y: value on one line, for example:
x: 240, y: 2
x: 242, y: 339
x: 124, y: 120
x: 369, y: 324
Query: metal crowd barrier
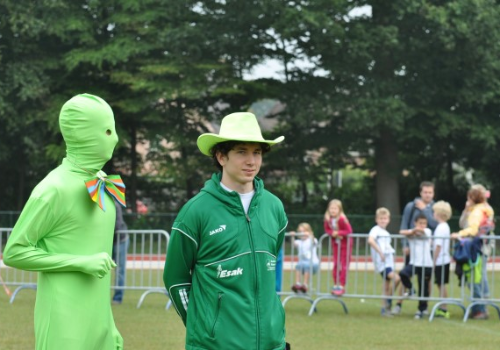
x: 14, y: 278
x: 364, y: 282
x: 145, y: 260
x: 146, y: 257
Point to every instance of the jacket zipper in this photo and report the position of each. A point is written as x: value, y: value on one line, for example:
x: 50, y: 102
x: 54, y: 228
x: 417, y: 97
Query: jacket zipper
x: 216, y: 318
x: 256, y: 281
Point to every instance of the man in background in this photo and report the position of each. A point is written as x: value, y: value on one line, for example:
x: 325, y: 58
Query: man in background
x: 121, y: 242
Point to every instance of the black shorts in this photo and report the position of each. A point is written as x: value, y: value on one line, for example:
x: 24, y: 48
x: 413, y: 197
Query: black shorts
x: 386, y: 272
x: 442, y: 274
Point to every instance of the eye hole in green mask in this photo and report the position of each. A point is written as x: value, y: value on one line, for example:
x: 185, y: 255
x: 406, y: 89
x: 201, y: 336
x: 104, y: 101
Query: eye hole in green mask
x: 108, y: 132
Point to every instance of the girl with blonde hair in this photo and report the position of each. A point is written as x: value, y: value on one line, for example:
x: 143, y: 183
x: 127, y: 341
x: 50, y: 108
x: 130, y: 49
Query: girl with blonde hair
x: 338, y: 227
x: 307, y: 247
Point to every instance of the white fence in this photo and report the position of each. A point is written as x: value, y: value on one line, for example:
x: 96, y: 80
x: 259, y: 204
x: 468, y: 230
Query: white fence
x: 147, y: 250
x: 364, y: 283
x: 145, y: 258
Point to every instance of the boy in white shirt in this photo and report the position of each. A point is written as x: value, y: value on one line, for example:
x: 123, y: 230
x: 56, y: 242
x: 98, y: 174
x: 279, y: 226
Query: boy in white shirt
x: 441, y: 248
x: 383, y: 256
x: 419, y: 239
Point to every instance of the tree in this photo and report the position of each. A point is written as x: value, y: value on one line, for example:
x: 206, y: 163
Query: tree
x: 409, y: 80
x: 32, y: 37
x: 411, y: 88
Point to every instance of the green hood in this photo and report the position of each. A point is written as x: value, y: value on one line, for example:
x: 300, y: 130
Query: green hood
x: 88, y: 128
x: 230, y: 199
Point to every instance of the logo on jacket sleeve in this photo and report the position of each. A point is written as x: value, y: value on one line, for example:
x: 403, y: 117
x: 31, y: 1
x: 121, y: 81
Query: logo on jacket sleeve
x: 217, y: 230
x: 271, y: 265
x: 228, y: 273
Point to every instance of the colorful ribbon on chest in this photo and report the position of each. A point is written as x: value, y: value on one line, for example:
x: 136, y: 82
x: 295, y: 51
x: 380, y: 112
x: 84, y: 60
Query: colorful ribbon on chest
x: 102, y: 183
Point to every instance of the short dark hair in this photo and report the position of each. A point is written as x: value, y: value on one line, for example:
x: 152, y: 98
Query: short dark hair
x: 421, y: 217
x: 226, y: 146
x: 426, y: 184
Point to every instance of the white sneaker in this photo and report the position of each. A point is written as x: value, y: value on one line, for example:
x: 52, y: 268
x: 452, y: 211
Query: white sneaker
x: 418, y: 315
x: 396, y: 310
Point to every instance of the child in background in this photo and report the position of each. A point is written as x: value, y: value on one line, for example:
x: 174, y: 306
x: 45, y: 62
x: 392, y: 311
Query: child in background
x: 338, y: 227
x: 383, y: 256
x: 307, y: 247
x: 441, y: 245
x: 420, y: 262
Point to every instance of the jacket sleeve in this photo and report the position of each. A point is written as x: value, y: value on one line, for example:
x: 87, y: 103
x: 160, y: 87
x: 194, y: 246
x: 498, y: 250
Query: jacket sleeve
x: 281, y: 235
x: 120, y: 223
x: 473, y: 223
x: 179, y: 264
x: 344, y: 226
x: 429, y: 214
x: 405, y: 220
x: 23, y: 250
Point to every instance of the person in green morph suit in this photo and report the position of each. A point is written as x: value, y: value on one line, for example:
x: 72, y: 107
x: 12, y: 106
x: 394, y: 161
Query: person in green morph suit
x: 67, y: 237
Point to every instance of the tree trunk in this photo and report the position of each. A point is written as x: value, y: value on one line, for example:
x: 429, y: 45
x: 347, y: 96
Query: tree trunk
x: 386, y: 147
x: 387, y: 176
x: 305, y: 195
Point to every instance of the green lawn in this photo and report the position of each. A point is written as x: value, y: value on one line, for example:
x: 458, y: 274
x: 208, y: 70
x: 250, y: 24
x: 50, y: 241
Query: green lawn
x: 153, y: 328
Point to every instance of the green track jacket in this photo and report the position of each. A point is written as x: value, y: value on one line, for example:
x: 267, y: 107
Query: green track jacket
x: 221, y: 263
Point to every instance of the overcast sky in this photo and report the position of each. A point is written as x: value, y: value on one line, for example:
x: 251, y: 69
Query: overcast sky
x: 273, y: 68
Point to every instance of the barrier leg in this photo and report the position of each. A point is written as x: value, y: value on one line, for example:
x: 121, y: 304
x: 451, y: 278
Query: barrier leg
x: 315, y: 303
x: 483, y: 302
x: 18, y: 289
x: 447, y: 302
x: 496, y: 308
x: 146, y: 293
x: 304, y: 297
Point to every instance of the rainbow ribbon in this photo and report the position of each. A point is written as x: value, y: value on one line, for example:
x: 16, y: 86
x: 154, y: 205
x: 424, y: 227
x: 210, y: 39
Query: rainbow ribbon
x: 102, y: 183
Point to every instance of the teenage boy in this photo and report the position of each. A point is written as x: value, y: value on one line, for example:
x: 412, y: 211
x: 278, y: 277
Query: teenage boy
x: 383, y: 256
x: 220, y: 270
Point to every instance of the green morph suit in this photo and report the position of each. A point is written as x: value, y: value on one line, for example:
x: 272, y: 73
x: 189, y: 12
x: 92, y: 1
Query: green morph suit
x: 65, y: 236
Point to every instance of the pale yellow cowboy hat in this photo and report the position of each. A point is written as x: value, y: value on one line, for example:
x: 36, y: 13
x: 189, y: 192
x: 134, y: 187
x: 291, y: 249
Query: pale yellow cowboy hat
x: 241, y: 126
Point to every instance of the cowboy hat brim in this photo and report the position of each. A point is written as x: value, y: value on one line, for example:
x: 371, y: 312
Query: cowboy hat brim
x: 206, y: 141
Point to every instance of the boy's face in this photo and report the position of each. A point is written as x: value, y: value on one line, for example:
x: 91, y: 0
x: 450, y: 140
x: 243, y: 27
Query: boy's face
x: 383, y: 220
x: 421, y: 224
x: 241, y: 165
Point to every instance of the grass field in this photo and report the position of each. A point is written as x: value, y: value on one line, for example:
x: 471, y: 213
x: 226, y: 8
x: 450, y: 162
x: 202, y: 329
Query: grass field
x: 153, y: 328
